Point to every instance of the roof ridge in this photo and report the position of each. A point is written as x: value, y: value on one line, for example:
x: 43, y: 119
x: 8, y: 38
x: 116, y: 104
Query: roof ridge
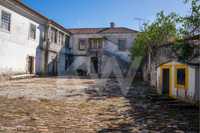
x: 84, y: 28
x: 38, y: 13
x: 102, y: 29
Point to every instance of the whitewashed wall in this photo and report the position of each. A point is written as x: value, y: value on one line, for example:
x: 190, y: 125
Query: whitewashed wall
x: 16, y: 45
x: 130, y: 37
x: 109, y: 44
x: 180, y: 93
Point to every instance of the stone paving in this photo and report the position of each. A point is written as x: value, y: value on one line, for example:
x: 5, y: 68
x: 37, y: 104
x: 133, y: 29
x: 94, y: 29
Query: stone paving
x: 61, y: 105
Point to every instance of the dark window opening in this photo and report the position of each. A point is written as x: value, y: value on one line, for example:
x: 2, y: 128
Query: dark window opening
x: 5, y: 20
x: 61, y: 38
x: 67, y: 42
x: 68, y: 61
x: 181, y: 76
x: 54, y: 35
x: 82, y: 44
x: 96, y: 43
x: 122, y: 44
x: 32, y: 31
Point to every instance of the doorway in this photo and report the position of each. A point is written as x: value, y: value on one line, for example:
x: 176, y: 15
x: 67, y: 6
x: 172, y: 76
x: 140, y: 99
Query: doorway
x: 55, y: 67
x: 94, y: 64
x: 165, y: 81
x: 30, y: 64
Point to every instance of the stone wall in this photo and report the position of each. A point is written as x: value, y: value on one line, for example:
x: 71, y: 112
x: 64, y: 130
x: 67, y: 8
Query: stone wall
x: 161, y: 55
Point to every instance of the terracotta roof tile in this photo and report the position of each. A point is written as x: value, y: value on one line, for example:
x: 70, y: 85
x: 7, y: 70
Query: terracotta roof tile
x: 101, y: 30
x: 85, y: 30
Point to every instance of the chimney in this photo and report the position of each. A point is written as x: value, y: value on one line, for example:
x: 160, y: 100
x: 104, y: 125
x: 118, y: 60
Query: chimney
x: 112, y: 25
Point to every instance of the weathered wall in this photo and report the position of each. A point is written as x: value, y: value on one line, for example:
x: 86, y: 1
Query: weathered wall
x: 197, y: 83
x: 16, y: 45
x: 74, y: 41
x: 185, y: 94
x: 149, y: 67
x: 109, y: 44
x: 56, y: 53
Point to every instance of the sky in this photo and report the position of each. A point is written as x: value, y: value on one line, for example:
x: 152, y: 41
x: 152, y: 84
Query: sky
x: 99, y: 13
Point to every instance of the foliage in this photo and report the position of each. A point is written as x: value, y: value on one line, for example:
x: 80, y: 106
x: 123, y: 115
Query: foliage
x: 190, y: 27
x: 183, y: 50
x: 161, y: 31
x: 191, y: 23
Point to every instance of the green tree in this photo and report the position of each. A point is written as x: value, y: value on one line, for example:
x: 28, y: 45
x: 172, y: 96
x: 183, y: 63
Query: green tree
x: 161, y: 31
x: 191, y: 23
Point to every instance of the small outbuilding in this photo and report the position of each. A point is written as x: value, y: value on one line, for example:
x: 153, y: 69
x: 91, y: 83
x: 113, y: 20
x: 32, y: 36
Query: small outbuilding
x: 179, y: 80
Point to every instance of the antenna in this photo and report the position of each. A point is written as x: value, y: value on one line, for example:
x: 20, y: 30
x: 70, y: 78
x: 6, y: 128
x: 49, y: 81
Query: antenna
x: 140, y: 21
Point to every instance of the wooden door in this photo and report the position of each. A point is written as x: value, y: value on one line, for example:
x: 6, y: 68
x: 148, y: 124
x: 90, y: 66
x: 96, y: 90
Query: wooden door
x: 30, y: 64
x: 165, y: 81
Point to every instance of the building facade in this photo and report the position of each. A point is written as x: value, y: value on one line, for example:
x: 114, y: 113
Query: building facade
x: 178, y: 80
x: 55, y: 49
x: 21, y: 34
x: 92, y: 47
x: 30, y: 43
x: 174, y: 76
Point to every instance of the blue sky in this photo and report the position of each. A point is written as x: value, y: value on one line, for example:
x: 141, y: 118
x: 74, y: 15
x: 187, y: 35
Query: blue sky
x: 99, y: 13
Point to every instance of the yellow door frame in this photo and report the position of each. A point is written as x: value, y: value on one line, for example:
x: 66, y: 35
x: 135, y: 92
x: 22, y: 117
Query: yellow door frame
x: 170, y: 77
x: 182, y: 66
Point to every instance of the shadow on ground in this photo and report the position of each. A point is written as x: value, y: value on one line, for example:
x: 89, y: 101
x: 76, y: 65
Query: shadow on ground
x: 147, y: 111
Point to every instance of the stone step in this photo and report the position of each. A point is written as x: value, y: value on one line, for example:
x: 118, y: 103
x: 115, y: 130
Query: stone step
x: 23, y: 76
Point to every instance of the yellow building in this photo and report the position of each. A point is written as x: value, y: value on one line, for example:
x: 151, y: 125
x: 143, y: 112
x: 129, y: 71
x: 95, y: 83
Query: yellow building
x: 179, y: 80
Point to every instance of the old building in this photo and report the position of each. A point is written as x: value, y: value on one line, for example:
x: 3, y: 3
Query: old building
x: 178, y: 80
x: 55, y: 49
x: 171, y: 75
x: 30, y: 43
x: 21, y: 33
x: 91, y: 48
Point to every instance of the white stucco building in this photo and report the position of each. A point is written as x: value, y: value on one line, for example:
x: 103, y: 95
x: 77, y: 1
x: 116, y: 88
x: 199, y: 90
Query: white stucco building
x: 93, y: 46
x: 178, y: 80
x: 30, y: 43
x: 21, y: 33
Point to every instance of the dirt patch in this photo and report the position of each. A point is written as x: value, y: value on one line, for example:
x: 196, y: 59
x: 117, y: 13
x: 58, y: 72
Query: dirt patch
x: 59, y: 105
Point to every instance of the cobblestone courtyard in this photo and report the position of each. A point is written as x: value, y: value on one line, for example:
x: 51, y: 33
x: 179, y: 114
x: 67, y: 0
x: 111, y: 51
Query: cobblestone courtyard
x: 60, y: 105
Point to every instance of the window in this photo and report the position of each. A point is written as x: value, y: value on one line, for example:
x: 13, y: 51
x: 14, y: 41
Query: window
x: 96, y: 43
x: 61, y: 38
x: 82, y: 44
x: 99, y: 43
x: 122, y: 44
x: 93, y: 44
x: 54, y: 35
x: 68, y: 61
x: 5, y: 20
x: 67, y: 42
x: 181, y: 76
x: 32, y: 33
